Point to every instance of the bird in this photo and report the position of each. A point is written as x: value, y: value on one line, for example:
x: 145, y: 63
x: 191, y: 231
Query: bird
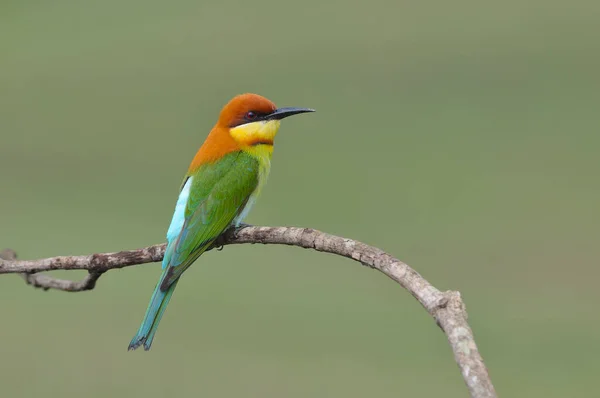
x: 220, y: 187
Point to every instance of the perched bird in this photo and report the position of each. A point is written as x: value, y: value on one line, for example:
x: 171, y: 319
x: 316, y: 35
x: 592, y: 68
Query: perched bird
x: 221, y: 185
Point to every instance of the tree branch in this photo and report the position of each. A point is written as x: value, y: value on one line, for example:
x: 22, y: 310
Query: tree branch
x: 46, y: 282
x: 447, y: 308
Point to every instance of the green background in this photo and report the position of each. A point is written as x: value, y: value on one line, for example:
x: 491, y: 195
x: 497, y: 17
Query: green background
x: 462, y: 137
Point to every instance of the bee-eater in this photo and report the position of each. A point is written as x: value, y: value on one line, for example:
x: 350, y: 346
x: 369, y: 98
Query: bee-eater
x: 221, y: 185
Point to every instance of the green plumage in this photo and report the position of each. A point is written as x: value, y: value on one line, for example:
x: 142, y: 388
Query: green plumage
x: 218, y: 193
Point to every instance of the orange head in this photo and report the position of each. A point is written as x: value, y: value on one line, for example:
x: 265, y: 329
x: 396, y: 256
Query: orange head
x: 247, y: 122
x: 241, y: 108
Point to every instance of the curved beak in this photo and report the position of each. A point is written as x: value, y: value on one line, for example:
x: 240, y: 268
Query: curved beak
x: 281, y: 113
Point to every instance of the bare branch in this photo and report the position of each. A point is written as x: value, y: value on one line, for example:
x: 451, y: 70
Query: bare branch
x: 447, y: 308
x: 46, y: 282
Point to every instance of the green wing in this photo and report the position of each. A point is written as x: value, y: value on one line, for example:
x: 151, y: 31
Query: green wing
x: 219, y: 191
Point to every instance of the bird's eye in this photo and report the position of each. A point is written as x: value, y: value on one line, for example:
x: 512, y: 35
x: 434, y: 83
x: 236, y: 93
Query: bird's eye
x: 250, y: 115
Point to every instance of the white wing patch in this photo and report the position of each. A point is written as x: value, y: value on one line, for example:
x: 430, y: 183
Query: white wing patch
x: 179, y: 215
x: 238, y: 220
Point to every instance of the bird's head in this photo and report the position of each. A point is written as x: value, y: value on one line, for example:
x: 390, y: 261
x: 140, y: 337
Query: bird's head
x: 253, y: 120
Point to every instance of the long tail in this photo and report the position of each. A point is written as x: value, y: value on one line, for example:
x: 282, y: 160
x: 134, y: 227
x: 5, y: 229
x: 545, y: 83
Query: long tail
x: 155, y: 311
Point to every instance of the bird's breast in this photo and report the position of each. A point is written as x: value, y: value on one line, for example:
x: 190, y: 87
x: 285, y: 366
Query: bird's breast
x: 262, y: 153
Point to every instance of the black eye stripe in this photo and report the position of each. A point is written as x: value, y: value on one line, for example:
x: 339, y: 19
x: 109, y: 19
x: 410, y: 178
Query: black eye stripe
x: 246, y: 118
x: 254, y: 116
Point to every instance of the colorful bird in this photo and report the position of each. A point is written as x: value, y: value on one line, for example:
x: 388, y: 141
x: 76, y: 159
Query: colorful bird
x: 221, y: 185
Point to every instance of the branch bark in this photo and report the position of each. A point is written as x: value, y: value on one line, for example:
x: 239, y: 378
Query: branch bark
x: 446, y: 308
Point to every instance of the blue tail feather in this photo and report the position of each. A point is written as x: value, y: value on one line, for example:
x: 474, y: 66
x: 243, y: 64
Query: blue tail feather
x: 155, y: 311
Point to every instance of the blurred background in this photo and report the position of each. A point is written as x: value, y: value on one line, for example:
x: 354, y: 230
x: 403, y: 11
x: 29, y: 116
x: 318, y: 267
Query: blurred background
x: 462, y: 137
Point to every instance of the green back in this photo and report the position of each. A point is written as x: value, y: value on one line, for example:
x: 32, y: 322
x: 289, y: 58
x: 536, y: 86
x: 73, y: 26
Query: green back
x: 218, y: 193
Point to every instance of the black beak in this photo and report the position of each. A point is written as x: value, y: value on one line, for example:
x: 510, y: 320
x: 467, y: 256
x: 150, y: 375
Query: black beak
x: 281, y: 113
